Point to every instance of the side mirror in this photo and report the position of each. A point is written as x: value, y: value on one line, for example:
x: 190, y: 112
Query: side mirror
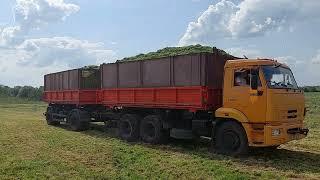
x: 254, y: 82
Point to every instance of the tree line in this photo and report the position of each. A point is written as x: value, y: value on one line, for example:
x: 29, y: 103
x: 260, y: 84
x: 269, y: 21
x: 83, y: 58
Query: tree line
x: 25, y: 92
x: 35, y: 93
x: 311, y: 88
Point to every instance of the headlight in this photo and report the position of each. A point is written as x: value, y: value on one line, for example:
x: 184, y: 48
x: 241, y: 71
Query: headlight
x: 276, y: 132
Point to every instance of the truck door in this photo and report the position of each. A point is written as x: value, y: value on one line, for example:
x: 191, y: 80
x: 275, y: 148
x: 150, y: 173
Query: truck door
x: 240, y: 96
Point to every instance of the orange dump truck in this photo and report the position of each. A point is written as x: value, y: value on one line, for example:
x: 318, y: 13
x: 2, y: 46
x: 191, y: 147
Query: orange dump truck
x: 237, y: 103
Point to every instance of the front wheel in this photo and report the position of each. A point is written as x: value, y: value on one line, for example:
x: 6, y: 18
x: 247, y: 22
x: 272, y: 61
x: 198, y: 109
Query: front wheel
x: 231, y: 139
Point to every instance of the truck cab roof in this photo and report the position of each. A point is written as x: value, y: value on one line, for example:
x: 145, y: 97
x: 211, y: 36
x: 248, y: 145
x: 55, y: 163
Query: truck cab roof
x: 253, y: 62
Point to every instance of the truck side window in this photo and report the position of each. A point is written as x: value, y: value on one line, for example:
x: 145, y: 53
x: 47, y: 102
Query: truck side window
x: 242, y: 77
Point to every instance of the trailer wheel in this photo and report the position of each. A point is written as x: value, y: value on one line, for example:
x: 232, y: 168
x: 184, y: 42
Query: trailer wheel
x: 152, y: 131
x: 79, y: 120
x: 129, y: 127
x: 49, y: 117
x: 231, y: 139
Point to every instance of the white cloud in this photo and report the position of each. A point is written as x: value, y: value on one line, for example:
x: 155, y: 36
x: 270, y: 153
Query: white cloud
x: 33, y: 14
x: 114, y: 43
x: 11, y: 35
x: 305, y: 70
x: 65, y: 51
x: 316, y: 60
x: 312, y: 70
x: 210, y: 25
x: 25, y: 61
x: 249, y: 18
x: 292, y: 61
x: 11, y: 74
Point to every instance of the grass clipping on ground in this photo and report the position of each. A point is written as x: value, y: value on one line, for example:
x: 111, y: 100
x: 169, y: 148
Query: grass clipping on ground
x: 32, y: 150
x: 176, y: 51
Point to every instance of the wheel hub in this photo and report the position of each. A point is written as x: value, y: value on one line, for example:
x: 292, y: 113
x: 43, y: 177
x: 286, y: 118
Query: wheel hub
x: 150, y: 130
x: 231, y: 140
x: 126, y: 128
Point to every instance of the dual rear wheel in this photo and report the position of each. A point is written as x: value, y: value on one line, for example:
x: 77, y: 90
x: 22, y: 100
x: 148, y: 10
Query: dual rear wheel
x: 230, y: 137
x: 152, y: 131
x: 149, y: 129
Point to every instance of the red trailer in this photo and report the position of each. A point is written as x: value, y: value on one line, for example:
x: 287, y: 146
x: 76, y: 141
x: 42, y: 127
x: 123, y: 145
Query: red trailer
x: 68, y: 92
x: 149, y: 99
x: 74, y: 87
x: 190, y: 82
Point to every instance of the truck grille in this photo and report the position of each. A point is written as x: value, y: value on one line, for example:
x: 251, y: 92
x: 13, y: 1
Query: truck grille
x: 289, y: 115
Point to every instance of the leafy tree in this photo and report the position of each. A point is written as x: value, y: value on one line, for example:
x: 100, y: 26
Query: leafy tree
x: 311, y: 88
x: 25, y: 92
x: 4, y: 90
x: 14, y: 91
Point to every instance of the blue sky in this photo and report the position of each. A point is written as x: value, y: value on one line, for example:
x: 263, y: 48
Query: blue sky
x: 42, y: 36
x: 135, y: 26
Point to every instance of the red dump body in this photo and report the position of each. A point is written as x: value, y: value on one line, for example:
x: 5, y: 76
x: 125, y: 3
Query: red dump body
x: 192, y: 82
x: 191, y: 98
x: 72, y: 87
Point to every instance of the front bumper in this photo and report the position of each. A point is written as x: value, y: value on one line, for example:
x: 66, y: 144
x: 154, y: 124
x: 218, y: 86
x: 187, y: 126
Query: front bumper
x: 274, y: 135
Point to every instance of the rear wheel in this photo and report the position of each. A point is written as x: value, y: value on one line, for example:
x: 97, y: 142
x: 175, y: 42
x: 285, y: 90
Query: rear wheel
x: 129, y: 127
x: 152, y: 131
x: 79, y: 120
x: 231, y: 139
x: 270, y: 148
x: 49, y: 117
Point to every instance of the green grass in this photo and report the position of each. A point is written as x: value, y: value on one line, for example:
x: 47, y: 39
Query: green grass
x: 30, y: 149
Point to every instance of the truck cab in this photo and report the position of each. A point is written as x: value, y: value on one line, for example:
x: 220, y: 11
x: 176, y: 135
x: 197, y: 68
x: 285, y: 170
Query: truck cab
x: 262, y: 95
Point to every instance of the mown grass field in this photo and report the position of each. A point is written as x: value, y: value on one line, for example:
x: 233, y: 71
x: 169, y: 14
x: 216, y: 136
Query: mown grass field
x: 29, y: 149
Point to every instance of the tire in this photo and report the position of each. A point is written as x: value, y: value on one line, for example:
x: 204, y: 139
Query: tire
x: 231, y: 139
x: 129, y: 127
x: 270, y: 148
x: 152, y: 131
x: 79, y: 120
x: 49, y: 117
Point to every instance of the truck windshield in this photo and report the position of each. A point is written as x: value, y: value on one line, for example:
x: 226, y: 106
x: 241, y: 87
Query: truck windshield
x: 279, y: 77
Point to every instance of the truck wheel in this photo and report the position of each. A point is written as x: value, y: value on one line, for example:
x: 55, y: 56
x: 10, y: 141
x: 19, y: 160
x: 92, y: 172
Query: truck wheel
x: 79, y: 120
x: 129, y: 127
x: 231, y: 139
x: 270, y: 148
x: 152, y: 131
x: 49, y: 117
